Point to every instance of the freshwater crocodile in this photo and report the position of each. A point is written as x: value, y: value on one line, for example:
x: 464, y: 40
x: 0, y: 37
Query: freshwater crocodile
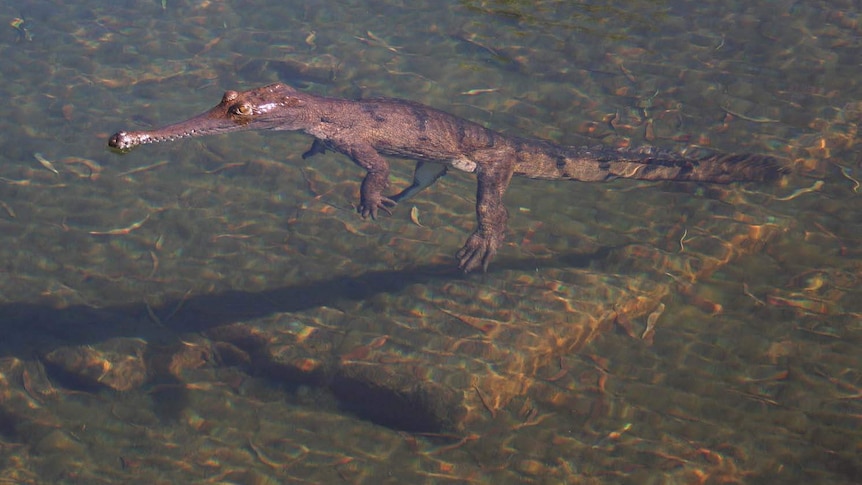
x: 366, y: 130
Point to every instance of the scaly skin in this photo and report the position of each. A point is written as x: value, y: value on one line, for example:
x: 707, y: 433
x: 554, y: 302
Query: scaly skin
x: 367, y: 130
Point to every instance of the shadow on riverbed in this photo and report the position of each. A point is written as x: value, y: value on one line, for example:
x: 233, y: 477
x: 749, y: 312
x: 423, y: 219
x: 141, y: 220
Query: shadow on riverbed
x: 29, y: 328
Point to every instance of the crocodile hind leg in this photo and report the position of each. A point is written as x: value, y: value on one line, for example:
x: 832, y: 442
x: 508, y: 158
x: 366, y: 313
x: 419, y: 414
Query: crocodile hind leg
x: 425, y: 174
x: 493, y: 180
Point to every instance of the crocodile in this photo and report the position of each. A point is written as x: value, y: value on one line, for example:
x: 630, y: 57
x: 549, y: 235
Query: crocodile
x: 369, y: 129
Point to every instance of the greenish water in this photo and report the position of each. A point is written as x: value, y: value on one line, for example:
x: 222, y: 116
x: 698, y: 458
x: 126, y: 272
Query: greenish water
x: 214, y: 310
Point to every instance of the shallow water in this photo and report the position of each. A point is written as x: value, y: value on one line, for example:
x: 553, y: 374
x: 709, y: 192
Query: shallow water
x: 214, y: 310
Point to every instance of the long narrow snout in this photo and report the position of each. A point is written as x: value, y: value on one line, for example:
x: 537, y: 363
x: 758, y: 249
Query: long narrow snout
x: 273, y: 107
x: 209, y: 123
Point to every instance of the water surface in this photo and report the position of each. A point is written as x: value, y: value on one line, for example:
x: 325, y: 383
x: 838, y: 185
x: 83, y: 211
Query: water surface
x: 214, y: 310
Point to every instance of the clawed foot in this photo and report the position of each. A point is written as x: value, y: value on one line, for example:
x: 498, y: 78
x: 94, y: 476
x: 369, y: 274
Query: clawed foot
x: 370, y: 206
x: 477, y: 252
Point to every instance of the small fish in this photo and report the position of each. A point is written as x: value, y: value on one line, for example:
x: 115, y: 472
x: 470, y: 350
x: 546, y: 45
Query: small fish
x: 45, y: 163
x: 414, y: 216
x: 382, y: 42
x: 474, y: 92
x: 121, y: 231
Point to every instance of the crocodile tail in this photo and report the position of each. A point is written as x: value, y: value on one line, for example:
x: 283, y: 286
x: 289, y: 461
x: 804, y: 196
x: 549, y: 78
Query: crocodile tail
x: 651, y: 163
x: 732, y: 167
x: 721, y: 168
x: 544, y: 160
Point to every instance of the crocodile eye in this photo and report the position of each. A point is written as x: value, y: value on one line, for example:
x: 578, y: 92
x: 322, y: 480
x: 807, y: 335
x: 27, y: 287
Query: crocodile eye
x: 243, y: 109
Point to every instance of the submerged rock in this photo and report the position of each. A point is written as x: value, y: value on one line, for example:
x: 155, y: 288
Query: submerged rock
x: 116, y: 364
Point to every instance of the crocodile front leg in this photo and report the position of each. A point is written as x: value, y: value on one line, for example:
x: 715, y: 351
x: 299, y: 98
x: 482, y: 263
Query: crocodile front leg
x: 371, y: 199
x: 493, y: 179
x: 376, y: 181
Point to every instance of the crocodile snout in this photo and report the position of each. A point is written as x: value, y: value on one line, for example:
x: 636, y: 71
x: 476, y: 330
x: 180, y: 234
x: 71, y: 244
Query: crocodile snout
x: 123, y: 141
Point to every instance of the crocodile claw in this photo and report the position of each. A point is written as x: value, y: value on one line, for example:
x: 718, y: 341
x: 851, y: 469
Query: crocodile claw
x: 477, y: 252
x: 372, y: 207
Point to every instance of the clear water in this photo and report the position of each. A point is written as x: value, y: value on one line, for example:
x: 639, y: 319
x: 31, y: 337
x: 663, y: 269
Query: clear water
x: 214, y: 310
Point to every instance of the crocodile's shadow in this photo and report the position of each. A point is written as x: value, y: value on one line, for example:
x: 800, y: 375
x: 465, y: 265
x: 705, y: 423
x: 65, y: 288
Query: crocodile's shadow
x: 34, y: 329
x: 29, y: 327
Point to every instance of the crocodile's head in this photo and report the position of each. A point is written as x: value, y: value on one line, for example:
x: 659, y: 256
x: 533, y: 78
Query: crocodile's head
x: 273, y: 107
